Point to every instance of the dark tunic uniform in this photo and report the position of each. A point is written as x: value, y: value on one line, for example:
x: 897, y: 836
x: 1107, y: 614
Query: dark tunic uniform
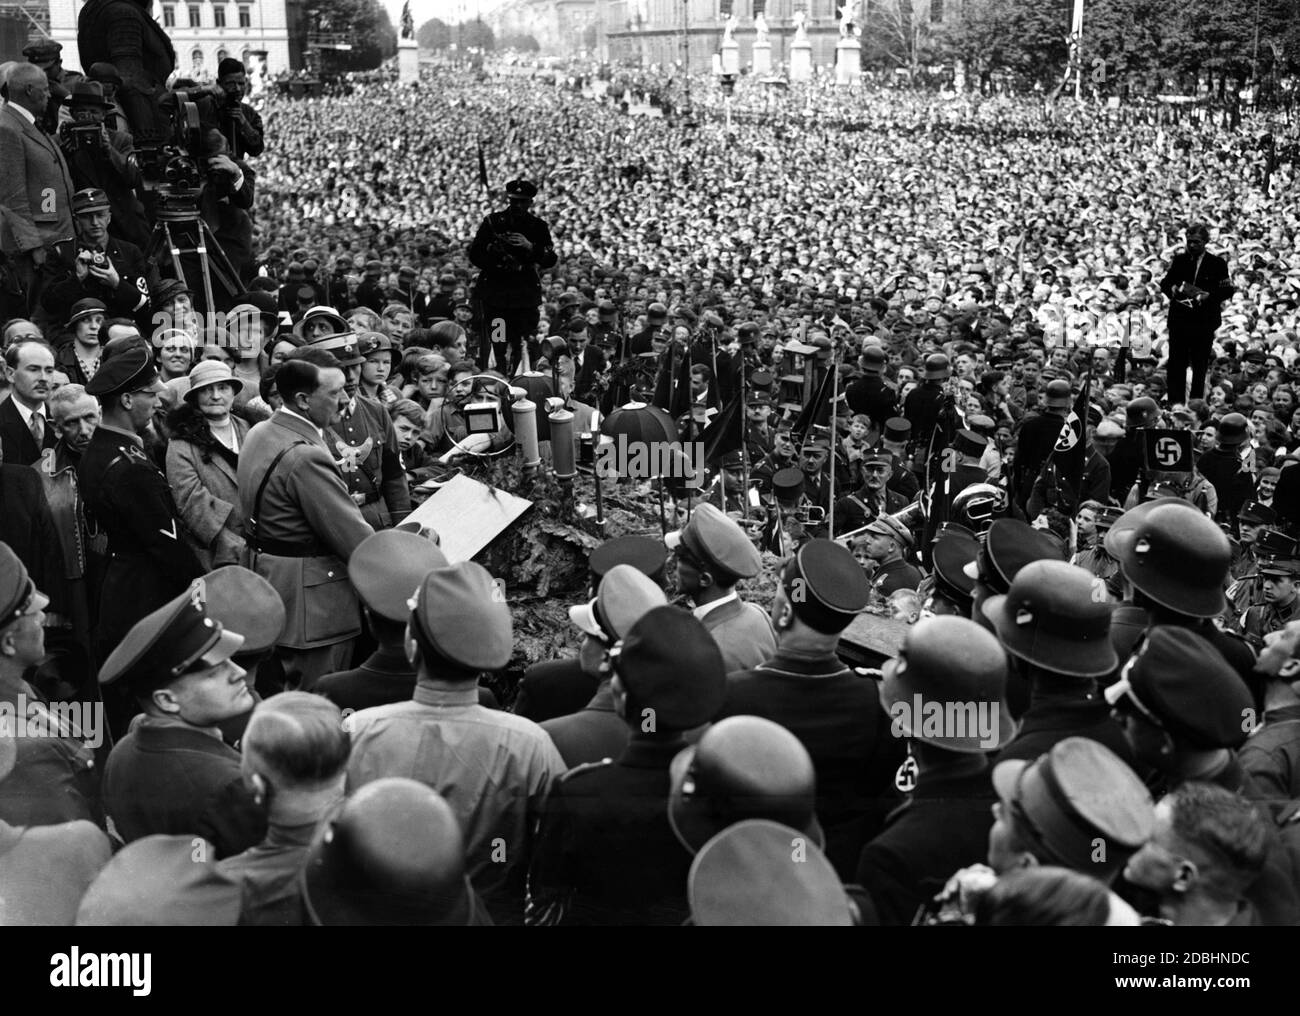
x: 508, y: 286
x: 129, y: 499
x: 592, y: 734
x: 857, y: 509
x: 606, y: 853
x: 1047, y: 722
x: 872, y: 396
x: 554, y: 688
x: 838, y: 717
x: 1271, y: 755
x: 943, y: 827
x: 129, y: 298
x: 1223, y: 468
x: 921, y: 408
x: 364, y: 444
x: 890, y: 578
x: 1264, y: 618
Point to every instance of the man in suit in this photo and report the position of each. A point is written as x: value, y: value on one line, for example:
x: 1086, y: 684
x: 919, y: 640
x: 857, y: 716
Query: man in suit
x: 300, y: 523
x: 589, y: 363
x: 35, y: 185
x: 25, y: 430
x: 713, y: 555
x: 1196, y: 284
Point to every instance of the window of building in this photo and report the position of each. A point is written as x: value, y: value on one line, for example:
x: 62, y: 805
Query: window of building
x: 219, y: 15
x: 221, y: 55
x: 245, y: 18
x: 196, y: 15
x: 169, y: 15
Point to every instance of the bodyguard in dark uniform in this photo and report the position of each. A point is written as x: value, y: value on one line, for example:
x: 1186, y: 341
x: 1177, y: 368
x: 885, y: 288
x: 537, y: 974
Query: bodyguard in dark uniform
x: 172, y: 774
x: 872, y: 395
x: 606, y: 853
x: 809, y: 691
x: 1281, y: 603
x: 922, y: 405
x: 509, y: 249
x: 1037, y: 438
x: 1057, y: 630
x: 944, y: 825
x: 1222, y: 466
x: 560, y: 687
x: 874, y: 498
x: 128, y: 498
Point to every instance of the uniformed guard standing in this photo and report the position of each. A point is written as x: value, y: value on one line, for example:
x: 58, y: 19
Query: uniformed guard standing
x: 364, y: 443
x: 129, y: 499
x: 1280, y: 601
x: 510, y: 248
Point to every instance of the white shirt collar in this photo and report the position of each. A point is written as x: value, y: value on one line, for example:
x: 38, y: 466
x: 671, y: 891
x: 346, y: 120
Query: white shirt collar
x: 23, y: 112
x: 298, y: 416
x: 707, y: 608
x: 26, y: 413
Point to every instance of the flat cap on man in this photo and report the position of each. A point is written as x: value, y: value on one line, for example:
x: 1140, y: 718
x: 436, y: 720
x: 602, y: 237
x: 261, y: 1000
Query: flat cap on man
x: 888, y: 525
x: 168, y: 642
x: 669, y: 662
x: 42, y: 49
x: 461, y: 612
x: 715, y: 540
x: 243, y: 601
x: 388, y: 566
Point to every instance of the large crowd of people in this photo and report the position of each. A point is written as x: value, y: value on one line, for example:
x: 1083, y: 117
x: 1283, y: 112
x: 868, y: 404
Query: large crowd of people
x: 1009, y: 385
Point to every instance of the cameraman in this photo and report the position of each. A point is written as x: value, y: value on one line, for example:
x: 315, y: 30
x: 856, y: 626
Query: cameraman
x: 224, y: 108
x: 509, y: 248
x: 105, y: 160
x: 96, y: 266
x: 226, y: 201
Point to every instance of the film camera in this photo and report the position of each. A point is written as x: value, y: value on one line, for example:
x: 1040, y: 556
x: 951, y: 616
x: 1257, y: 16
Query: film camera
x: 171, y: 164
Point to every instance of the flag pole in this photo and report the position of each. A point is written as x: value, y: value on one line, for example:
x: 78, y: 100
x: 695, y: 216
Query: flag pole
x: 835, y: 395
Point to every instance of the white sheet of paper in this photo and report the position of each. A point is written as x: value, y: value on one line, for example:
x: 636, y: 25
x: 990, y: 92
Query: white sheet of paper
x: 468, y: 515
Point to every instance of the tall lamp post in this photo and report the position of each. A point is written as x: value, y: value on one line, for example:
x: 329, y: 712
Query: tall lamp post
x: 728, y: 82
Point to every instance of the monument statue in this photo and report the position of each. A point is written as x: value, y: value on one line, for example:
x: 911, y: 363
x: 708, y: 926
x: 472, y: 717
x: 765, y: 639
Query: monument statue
x: 760, y: 26
x: 408, y: 23
x: 800, y: 20
x: 847, y: 17
x: 729, y: 29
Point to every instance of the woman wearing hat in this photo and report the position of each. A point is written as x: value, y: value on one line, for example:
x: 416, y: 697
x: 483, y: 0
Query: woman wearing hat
x: 202, y: 460
x: 79, y: 359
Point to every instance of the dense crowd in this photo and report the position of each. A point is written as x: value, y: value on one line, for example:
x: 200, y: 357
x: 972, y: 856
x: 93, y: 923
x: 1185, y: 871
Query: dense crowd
x: 995, y: 397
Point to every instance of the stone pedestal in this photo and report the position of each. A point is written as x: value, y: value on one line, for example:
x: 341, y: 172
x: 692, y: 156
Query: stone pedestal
x: 800, y: 60
x: 848, y: 61
x: 408, y: 61
x: 731, y: 57
x: 762, y: 58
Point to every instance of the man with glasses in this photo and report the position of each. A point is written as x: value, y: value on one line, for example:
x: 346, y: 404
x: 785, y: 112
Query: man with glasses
x: 128, y: 498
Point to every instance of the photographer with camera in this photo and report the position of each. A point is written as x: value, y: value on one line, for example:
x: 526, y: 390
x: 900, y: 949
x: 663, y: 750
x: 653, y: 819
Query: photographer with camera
x: 236, y: 119
x: 105, y: 160
x: 96, y: 265
x: 509, y: 249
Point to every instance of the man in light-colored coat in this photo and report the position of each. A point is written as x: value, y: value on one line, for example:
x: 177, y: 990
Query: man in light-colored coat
x: 301, y: 534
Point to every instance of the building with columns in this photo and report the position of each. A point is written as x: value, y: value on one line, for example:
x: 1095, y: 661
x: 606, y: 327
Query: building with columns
x: 203, y: 33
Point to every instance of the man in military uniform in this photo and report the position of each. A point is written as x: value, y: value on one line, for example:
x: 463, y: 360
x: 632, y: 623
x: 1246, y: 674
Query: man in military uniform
x: 365, y: 444
x: 97, y: 266
x: 1222, y: 466
x: 300, y: 523
x: 807, y: 689
x: 781, y: 456
x: 509, y: 249
x: 606, y: 852
x: 886, y: 541
x: 172, y: 774
x: 873, y: 499
x: 895, y: 439
x: 713, y: 555
x: 1280, y: 601
x: 1037, y: 438
x: 923, y: 403
x: 128, y: 498
x: 759, y: 434
x: 872, y: 395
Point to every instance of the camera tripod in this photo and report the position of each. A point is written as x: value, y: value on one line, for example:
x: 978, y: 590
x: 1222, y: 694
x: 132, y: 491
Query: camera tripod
x: 190, y: 228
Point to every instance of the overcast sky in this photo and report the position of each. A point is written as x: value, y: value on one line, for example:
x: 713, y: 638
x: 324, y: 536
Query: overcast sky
x: 450, y: 11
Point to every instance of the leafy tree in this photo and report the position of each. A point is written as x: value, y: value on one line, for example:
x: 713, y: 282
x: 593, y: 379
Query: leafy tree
x: 476, y: 35
x: 434, y: 34
x: 521, y: 41
x: 364, y: 24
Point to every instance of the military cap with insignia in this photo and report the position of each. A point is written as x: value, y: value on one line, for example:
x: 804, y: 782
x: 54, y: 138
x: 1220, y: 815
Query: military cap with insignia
x: 1078, y: 794
x: 787, y: 484
x: 888, y: 525
x: 1256, y: 514
x: 717, y: 542
x: 521, y: 189
x: 459, y: 614
x: 393, y: 855
x: 131, y: 369
x: 825, y: 586
x: 1174, y: 555
x: 1280, y: 567
x: 162, y: 881
x: 89, y: 199
x: 1180, y: 683
x: 388, y: 566
x: 625, y: 595
x: 1273, y: 543
x: 726, y: 876
x: 761, y: 381
x: 1053, y: 619
x: 641, y: 552
x: 1009, y: 545
x: 743, y: 767
x: 245, y: 602
x: 948, y: 659
x: 177, y: 638
x: 669, y: 662
x: 345, y: 347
